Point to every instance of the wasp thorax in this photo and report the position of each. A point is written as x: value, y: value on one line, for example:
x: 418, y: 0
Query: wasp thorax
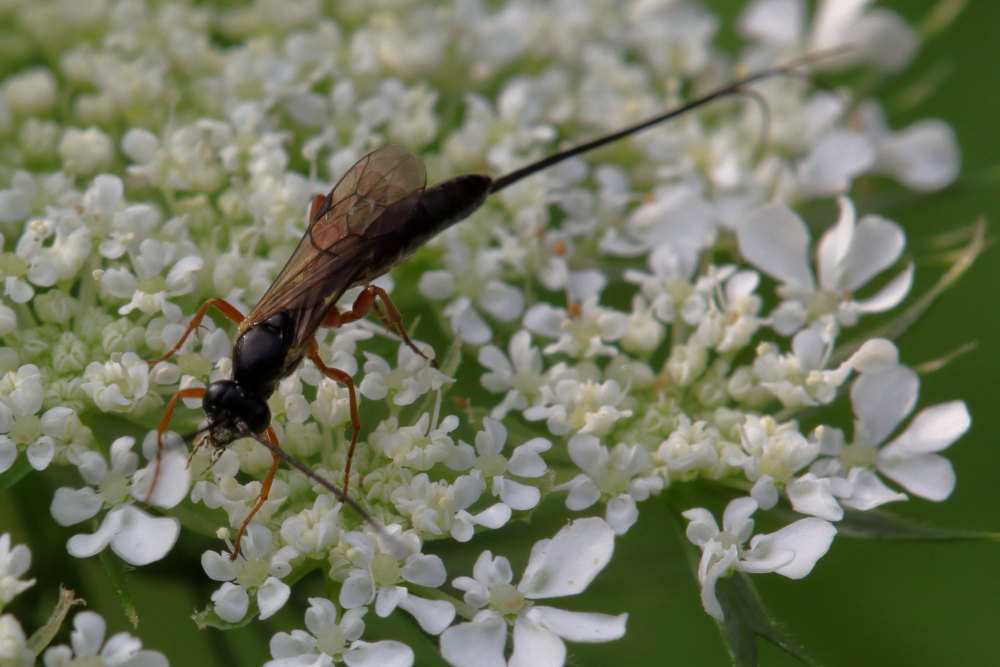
x: 228, y: 406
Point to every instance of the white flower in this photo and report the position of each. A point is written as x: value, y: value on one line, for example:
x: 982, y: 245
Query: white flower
x: 85, y: 152
x: 14, y: 651
x: 520, y: 376
x: 877, y: 36
x: 924, y: 156
x: 328, y: 641
x: 257, y: 569
x: 435, y: 508
x: 882, y: 400
x: 117, y: 385
x: 89, y: 647
x: 144, y: 287
x: 412, y: 378
x: 13, y: 563
x: 563, y: 565
x: 489, y: 463
x: 616, y: 475
x: 791, y: 551
x: 851, y: 253
x: 134, y: 535
x: 472, y: 279
x: 380, y: 564
x: 583, y: 406
x: 419, y: 446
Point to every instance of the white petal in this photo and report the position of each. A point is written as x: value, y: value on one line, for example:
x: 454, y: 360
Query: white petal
x: 535, y: 646
x: 433, y: 616
x: 358, y: 590
x: 834, y: 161
x: 70, y: 506
x: 272, y: 596
x: 889, y: 296
x: 621, y: 513
x: 144, y: 539
x: 478, y: 643
x: 928, y: 475
x: 778, y: 21
x: 88, y: 633
x: 386, y: 653
x: 173, y: 482
x: 924, y: 156
x: 41, y: 452
x: 502, y: 301
x: 320, y: 614
x: 807, y: 540
x: 702, y: 527
x: 881, y: 400
x: 518, y: 496
x: 231, y: 602
x: 582, y: 493
x: 876, y: 246
x: 424, y: 570
x: 736, y: 517
x: 84, y: 546
x: 812, y: 495
x: 931, y: 430
x: 776, y: 241
x: 580, y: 627
x: 493, y: 517
x: 566, y: 564
x: 290, y: 647
x: 219, y: 567
x: 868, y: 491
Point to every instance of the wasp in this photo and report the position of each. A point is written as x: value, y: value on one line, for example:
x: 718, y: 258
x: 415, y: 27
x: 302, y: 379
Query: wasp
x: 379, y: 214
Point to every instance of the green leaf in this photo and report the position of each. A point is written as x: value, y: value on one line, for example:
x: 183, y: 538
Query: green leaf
x: 746, y: 619
x: 117, y: 570
x: 15, y: 473
x: 878, y: 525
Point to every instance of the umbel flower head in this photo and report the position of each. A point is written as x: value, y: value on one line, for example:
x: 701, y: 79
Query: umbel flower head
x: 629, y: 327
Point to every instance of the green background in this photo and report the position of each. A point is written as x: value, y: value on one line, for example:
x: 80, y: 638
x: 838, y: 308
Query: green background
x: 894, y: 603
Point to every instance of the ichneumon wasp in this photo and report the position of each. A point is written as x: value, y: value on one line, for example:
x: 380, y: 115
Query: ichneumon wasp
x: 377, y: 215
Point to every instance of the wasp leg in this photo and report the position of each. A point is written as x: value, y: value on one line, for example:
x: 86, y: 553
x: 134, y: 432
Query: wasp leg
x: 265, y: 491
x: 343, y: 378
x: 226, y: 308
x: 161, y: 428
x: 365, y: 303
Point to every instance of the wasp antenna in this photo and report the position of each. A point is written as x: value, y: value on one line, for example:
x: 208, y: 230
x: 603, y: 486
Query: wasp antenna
x: 319, y: 479
x: 732, y: 88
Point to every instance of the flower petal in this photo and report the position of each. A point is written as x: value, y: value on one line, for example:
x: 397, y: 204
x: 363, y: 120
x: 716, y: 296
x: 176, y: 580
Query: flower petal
x: 806, y: 540
x: 386, y: 653
x: 578, y: 626
x: 478, y: 643
x: 535, y: 645
x: 567, y: 563
x: 142, y: 538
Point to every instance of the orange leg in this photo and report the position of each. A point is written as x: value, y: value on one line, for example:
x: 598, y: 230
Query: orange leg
x: 161, y: 428
x: 343, y: 378
x: 226, y: 308
x: 366, y: 302
x: 265, y: 491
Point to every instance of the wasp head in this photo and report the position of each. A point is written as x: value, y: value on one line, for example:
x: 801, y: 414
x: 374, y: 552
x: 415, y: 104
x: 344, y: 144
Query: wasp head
x: 233, y: 412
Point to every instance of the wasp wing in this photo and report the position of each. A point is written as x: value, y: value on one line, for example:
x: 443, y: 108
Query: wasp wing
x: 375, y: 196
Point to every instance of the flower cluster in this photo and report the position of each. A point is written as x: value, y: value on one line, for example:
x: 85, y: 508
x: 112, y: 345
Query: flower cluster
x: 660, y: 315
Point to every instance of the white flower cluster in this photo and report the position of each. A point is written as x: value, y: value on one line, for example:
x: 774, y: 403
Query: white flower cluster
x: 657, y: 319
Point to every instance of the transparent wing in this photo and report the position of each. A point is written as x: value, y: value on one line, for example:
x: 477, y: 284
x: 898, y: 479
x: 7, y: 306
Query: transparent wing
x: 376, y: 196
